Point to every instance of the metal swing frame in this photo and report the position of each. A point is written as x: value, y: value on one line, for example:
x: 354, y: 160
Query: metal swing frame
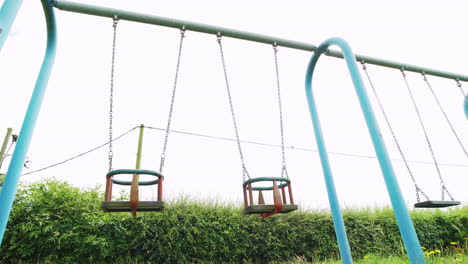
x: 9, y: 11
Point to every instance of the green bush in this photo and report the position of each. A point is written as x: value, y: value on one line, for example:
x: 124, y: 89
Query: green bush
x: 54, y: 221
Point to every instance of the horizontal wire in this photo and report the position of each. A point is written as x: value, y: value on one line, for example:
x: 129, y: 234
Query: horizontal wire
x: 295, y: 148
x: 79, y: 155
x: 232, y: 140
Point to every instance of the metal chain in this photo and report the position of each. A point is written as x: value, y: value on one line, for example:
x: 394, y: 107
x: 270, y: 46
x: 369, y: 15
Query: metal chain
x: 244, y: 168
x: 416, y: 186
x: 111, y: 96
x: 444, y: 189
x: 445, y: 114
x: 284, y: 171
x: 163, y: 155
x: 460, y: 87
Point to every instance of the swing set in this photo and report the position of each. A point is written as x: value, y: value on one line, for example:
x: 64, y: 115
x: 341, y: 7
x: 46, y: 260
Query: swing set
x: 428, y: 203
x: 280, y: 186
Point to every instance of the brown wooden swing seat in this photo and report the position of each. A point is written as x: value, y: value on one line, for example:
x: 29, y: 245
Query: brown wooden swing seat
x: 134, y: 205
x: 124, y: 206
x: 268, y: 208
x: 281, y: 203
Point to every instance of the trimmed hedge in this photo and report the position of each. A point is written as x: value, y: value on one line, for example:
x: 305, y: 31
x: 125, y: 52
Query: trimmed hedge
x: 53, y: 221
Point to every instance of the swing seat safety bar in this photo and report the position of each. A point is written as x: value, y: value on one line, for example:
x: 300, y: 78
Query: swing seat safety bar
x: 262, y: 179
x: 114, y: 206
x: 112, y: 173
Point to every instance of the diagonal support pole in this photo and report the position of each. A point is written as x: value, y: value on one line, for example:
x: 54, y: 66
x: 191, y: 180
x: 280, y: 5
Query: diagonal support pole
x: 403, y: 218
x: 465, y: 106
x: 10, y: 185
x: 8, y: 13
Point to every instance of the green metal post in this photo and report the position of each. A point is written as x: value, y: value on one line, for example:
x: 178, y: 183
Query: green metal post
x: 4, y: 145
x: 134, y: 192
x: 232, y: 33
x: 140, y: 146
x: 2, y: 153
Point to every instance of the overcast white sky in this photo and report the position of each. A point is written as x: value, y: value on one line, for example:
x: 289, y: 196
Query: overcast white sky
x: 74, y: 116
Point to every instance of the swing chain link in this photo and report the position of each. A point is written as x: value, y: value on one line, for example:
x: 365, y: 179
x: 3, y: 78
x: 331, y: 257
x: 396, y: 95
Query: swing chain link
x: 364, y: 67
x: 402, y: 70
x: 111, y: 94
x: 442, y: 183
x: 459, y: 85
x: 397, y: 143
x: 426, y: 135
x: 445, y: 115
x: 284, y: 171
x: 245, y: 173
x: 444, y: 189
x: 169, y: 119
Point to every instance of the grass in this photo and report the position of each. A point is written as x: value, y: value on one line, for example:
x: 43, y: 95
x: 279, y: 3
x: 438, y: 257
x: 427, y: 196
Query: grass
x: 456, y: 254
x: 373, y: 259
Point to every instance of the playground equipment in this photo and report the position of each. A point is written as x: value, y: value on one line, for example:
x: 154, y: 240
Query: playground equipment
x: 405, y: 224
x: 280, y: 200
x: 428, y: 203
x: 134, y: 204
x: 465, y: 106
x: 8, y: 13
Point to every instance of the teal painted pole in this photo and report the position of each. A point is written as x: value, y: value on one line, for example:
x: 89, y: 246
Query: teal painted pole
x: 8, y: 13
x: 405, y: 224
x: 466, y: 106
x: 7, y: 194
x: 340, y: 230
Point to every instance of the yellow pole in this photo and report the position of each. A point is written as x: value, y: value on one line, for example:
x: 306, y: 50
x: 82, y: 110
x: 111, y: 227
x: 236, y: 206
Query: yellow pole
x: 136, y: 177
x: 4, y: 145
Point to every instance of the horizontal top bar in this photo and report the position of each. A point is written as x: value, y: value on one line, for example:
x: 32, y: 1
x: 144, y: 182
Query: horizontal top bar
x: 204, y: 28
